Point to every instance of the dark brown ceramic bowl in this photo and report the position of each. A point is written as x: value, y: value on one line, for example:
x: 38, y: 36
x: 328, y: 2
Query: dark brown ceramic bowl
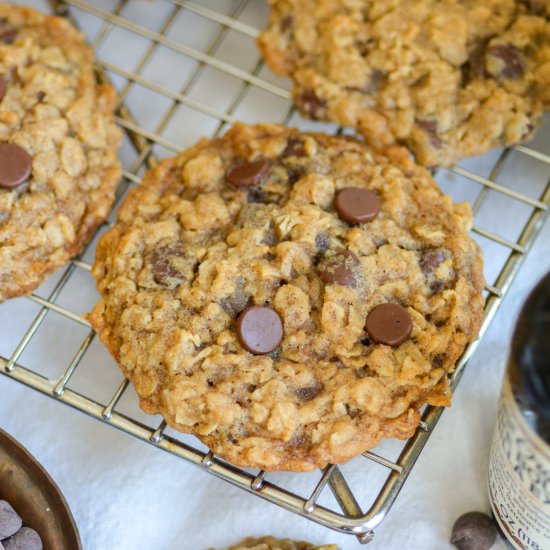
x: 35, y: 497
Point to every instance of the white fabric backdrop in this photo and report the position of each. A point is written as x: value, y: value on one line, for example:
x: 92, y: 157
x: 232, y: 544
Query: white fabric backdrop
x: 126, y: 495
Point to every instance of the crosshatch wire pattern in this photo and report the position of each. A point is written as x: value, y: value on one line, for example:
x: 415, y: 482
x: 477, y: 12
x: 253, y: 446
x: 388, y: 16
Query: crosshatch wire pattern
x: 195, y: 71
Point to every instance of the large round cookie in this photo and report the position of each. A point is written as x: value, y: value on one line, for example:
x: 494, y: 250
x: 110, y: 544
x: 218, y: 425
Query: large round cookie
x: 249, y: 221
x: 58, y: 147
x: 449, y: 78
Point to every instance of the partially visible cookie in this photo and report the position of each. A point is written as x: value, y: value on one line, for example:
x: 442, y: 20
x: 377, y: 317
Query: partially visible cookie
x: 58, y: 147
x: 448, y: 78
x: 289, y: 298
x: 271, y: 543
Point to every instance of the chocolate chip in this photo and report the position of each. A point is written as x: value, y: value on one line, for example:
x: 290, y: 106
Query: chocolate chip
x: 15, y: 165
x: 164, y: 265
x: 474, y: 531
x: 3, y: 87
x: 341, y: 269
x: 8, y: 36
x: 10, y: 522
x: 249, y: 173
x: 356, y: 205
x: 322, y: 241
x: 259, y: 329
x: 236, y: 302
x: 430, y: 126
x: 294, y: 148
x: 389, y: 324
x: 431, y: 259
x: 510, y: 63
x: 286, y: 23
x: 312, y: 105
x: 309, y: 392
x: 40, y: 96
x: 25, y: 539
x: 257, y: 195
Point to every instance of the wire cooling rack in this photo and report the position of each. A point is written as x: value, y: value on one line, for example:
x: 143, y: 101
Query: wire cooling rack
x: 191, y: 70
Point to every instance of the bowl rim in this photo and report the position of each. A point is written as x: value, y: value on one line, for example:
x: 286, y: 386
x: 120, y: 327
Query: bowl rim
x: 23, y: 459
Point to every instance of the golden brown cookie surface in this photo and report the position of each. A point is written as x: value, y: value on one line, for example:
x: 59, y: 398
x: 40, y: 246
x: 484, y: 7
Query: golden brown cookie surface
x: 223, y: 244
x: 271, y: 543
x: 58, y: 147
x: 449, y: 78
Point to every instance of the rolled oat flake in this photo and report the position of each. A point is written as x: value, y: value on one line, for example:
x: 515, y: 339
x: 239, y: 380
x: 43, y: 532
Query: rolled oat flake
x: 15, y: 165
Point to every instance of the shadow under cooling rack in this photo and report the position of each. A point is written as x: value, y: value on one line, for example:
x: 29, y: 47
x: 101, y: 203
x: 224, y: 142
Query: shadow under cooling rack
x: 189, y: 71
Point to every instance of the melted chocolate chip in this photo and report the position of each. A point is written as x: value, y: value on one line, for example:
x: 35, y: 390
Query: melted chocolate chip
x: 312, y: 105
x: 3, y: 87
x: 430, y: 126
x: 322, y: 241
x: 8, y: 33
x: 342, y: 269
x: 431, y: 259
x: 294, y: 148
x: 474, y: 531
x: 389, y: 324
x: 249, y: 173
x: 287, y: 23
x: 309, y: 392
x: 15, y: 165
x: 163, y: 265
x: 236, y: 302
x: 355, y: 205
x: 259, y: 329
x: 40, y: 96
x: 257, y: 195
x: 510, y: 61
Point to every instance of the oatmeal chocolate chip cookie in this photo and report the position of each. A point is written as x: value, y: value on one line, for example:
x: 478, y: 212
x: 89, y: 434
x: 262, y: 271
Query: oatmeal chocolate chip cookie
x: 58, y: 144
x: 448, y: 78
x: 271, y: 543
x: 247, y: 309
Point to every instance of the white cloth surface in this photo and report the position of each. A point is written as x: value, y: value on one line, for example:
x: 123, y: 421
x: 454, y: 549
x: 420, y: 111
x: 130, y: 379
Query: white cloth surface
x: 126, y: 495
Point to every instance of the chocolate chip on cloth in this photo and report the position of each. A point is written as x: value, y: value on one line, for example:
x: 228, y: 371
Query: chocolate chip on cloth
x: 448, y: 78
x: 474, y: 531
x: 252, y: 335
x: 25, y: 539
x: 58, y: 143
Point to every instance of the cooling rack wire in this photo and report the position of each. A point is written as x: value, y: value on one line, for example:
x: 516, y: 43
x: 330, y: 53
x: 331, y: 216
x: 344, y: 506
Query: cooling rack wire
x: 195, y: 70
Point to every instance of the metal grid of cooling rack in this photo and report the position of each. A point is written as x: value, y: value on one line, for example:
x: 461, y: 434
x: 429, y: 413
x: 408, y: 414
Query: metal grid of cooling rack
x: 229, y: 17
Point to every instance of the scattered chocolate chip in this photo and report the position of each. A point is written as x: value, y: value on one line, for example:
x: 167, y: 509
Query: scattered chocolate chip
x: 312, y: 105
x: 511, y: 63
x: 3, y: 87
x: 25, y: 539
x: 294, y: 148
x: 474, y: 531
x: 259, y: 329
x: 163, y: 265
x: 15, y: 165
x: 309, y: 392
x: 322, y: 241
x: 249, y: 173
x: 341, y: 269
x: 389, y: 324
x: 10, y: 522
x: 355, y: 205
